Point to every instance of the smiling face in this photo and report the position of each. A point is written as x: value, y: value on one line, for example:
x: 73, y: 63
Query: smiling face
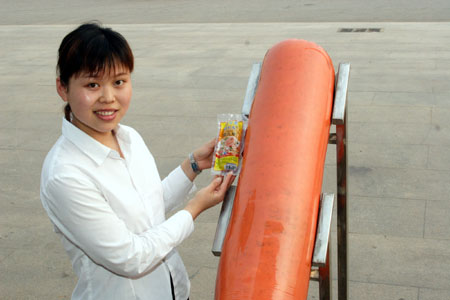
x: 99, y: 101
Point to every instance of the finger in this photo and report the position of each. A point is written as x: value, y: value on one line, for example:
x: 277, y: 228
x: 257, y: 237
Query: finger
x: 205, y: 151
x: 226, y: 182
x: 208, y: 146
x: 217, y: 181
x: 212, y: 145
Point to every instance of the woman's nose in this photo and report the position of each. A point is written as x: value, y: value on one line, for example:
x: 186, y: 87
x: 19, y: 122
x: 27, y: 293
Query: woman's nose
x: 107, y: 94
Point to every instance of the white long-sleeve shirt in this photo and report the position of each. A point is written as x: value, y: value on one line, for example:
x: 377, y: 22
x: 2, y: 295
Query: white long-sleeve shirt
x: 110, y: 214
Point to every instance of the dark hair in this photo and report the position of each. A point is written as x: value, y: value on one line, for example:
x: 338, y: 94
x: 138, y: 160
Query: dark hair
x: 91, y: 48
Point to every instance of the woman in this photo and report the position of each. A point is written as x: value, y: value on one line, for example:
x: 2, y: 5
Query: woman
x: 100, y: 186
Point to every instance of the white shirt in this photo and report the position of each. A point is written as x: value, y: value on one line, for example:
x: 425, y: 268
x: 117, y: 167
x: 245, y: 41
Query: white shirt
x: 110, y: 215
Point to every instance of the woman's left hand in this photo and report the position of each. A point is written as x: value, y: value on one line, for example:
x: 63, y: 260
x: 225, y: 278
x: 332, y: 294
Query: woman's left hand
x: 204, y: 155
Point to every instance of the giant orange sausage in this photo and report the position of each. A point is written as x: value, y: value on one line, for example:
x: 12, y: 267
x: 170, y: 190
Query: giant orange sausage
x: 270, y: 239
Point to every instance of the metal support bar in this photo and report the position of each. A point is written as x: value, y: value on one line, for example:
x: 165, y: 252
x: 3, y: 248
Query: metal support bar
x: 224, y: 219
x: 340, y: 120
x: 323, y: 230
x: 325, y: 277
x: 340, y: 95
x: 321, y: 256
x: 251, y: 89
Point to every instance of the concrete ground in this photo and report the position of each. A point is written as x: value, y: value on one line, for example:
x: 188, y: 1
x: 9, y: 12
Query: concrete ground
x: 190, y: 68
x: 215, y: 11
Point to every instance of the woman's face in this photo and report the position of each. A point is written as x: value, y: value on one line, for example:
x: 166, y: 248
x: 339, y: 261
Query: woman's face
x: 98, y: 103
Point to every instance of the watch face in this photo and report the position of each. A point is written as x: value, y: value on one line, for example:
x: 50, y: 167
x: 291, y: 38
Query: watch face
x: 195, y: 168
x: 194, y: 165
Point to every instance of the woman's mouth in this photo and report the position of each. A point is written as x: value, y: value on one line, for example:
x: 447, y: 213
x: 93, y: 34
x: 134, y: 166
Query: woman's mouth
x: 106, y: 115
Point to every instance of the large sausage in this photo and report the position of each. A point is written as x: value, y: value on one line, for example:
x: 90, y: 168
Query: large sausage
x: 269, y: 243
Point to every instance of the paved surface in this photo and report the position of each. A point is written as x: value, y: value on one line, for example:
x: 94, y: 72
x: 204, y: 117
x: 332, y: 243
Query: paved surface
x: 399, y: 138
x: 230, y: 11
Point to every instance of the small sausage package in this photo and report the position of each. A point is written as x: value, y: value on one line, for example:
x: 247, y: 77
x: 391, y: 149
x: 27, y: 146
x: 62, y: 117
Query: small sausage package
x: 229, y: 144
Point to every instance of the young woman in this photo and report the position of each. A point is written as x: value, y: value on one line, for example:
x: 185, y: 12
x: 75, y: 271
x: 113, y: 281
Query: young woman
x: 100, y: 186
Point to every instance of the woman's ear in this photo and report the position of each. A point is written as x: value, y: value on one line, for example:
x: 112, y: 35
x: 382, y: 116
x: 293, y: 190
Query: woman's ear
x: 61, y: 89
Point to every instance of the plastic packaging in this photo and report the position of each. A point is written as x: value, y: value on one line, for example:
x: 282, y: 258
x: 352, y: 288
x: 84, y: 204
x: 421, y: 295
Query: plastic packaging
x: 229, y: 145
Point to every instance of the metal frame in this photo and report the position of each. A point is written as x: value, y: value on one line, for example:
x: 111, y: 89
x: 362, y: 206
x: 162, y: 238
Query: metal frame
x: 321, y: 263
x: 340, y: 121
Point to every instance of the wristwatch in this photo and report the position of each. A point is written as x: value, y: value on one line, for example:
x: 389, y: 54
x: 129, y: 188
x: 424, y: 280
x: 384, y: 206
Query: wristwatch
x: 194, y: 164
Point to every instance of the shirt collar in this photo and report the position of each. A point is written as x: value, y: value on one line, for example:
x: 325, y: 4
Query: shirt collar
x: 90, y: 146
x: 122, y: 134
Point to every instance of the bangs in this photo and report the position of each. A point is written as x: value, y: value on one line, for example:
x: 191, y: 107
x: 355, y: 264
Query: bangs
x: 103, y: 55
x: 93, y: 50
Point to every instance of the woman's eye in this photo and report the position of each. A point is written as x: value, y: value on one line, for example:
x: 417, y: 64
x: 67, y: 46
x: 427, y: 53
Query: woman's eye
x: 120, y: 82
x: 92, y: 85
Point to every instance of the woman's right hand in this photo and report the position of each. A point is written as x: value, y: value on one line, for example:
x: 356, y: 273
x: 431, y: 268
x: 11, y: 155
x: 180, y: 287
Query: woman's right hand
x: 210, y: 195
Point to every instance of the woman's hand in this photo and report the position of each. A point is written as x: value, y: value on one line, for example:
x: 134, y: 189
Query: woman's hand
x: 204, y: 155
x: 210, y: 196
